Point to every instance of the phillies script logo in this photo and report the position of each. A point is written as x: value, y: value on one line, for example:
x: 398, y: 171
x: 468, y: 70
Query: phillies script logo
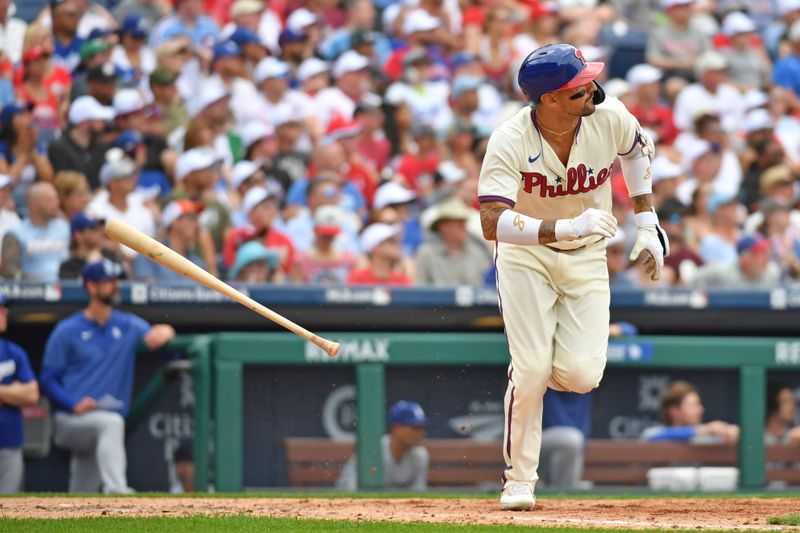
x: 579, y: 55
x: 579, y: 180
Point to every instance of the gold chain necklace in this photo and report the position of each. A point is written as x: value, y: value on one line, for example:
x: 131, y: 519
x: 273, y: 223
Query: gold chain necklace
x: 554, y: 132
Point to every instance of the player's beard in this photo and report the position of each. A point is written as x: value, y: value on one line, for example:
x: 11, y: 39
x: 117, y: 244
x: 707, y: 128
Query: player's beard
x: 589, y: 108
x: 109, y: 298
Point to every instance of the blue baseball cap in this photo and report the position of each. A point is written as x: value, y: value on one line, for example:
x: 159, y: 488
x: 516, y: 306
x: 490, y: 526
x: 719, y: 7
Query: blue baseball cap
x: 11, y: 110
x: 407, y: 413
x: 102, y: 271
x: 754, y: 242
x: 128, y: 140
x: 99, y: 33
x: 251, y: 252
x: 226, y: 49
x: 243, y: 36
x: 289, y: 36
x: 82, y: 221
x: 134, y: 25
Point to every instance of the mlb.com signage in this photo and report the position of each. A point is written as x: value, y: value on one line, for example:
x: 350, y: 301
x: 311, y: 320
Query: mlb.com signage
x: 372, y: 350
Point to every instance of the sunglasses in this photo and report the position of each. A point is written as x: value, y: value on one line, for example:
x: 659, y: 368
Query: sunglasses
x: 578, y: 95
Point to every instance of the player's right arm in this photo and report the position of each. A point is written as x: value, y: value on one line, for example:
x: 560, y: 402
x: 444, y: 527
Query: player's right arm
x: 491, y: 213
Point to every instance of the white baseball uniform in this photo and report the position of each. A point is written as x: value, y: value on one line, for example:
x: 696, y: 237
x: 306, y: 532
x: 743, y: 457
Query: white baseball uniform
x: 554, y: 298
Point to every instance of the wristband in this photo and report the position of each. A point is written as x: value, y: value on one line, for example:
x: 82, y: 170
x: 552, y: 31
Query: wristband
x: 516, y: 228
x: 564, y: 230
x: 646, y: 218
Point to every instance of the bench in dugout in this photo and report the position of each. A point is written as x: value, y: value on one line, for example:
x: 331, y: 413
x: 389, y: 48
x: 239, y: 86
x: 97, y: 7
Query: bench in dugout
x: 461, y: 462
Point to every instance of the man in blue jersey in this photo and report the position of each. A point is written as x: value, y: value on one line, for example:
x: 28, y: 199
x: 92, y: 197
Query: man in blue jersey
x: 18, y: 388
x: 88, y: 374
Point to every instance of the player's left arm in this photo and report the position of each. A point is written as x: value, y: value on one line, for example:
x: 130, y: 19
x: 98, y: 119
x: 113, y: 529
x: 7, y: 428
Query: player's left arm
x: 635, y: 160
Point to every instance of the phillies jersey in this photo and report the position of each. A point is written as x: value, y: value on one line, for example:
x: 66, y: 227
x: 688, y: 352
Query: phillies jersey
x: 522, y: 170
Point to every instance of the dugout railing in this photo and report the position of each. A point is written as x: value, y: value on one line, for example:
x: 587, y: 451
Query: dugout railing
x: 219, y: 361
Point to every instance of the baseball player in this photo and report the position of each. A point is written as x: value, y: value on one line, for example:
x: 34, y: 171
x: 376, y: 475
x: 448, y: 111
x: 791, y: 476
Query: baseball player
x: 545, y: 196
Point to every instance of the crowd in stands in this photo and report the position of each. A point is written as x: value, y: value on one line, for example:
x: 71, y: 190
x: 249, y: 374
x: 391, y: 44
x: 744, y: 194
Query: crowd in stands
x: 325, y: 142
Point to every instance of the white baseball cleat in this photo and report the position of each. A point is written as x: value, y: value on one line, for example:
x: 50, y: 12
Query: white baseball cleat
x: 517, y: 496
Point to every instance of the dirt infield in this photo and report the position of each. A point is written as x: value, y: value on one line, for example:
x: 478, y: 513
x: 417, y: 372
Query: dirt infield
x: 675, y: 513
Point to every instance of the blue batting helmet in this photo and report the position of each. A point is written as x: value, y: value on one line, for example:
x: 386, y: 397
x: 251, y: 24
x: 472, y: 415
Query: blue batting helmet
x: 555, y: 67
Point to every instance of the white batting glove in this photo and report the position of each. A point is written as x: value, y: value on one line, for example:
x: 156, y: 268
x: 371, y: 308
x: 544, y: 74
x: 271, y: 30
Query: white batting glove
x: 590, y: 222
x: 651, y: 238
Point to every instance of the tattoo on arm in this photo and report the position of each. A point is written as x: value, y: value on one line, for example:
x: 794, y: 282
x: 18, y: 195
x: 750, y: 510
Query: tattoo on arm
x: 12, y: 262
x: 490, y: 213
x: 547, y: 232
x: 642, y: 203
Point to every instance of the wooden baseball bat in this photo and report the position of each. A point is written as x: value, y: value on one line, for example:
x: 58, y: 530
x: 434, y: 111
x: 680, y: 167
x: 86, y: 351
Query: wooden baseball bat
x: 154, y: 250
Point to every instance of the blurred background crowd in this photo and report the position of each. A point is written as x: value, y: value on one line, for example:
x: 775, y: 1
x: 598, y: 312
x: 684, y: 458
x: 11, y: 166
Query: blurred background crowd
x: 340, y: 142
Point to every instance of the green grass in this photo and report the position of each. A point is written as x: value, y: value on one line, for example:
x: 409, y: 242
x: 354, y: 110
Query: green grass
x: 785, y: 520
x: 251, y: 524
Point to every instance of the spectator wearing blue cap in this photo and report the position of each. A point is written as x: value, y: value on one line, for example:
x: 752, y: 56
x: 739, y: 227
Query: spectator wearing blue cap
x: 255, y: 263
x: 87, y: 372
x: 150, y: 10
x: 86, y: 246
x: 228, y: 68
x: 132, y: 58
x: 490, y: 103
x: 252, y: 47
x: 752, y: 269
x: 405, y: 459
x: 22, y: 156
x: 18, y: 388
x: 35, y: 249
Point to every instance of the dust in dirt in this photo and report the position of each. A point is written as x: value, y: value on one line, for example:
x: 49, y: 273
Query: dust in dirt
x: 666, y: 513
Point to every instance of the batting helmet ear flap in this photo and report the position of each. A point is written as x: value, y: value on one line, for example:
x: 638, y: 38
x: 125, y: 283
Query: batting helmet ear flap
x: 599, y: 95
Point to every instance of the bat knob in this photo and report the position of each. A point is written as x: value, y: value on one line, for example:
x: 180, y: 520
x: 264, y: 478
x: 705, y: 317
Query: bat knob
x: 332, y: 348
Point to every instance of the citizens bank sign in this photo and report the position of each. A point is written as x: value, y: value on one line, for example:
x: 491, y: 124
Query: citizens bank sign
x: 373, y: 350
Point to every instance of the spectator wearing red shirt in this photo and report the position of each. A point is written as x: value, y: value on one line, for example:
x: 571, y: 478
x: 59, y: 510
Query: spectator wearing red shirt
x: 381, y: 243
x: 645, y: 82
x: 373, y: 146
x: 261, y: 206
x: 360, y: 172
x: 421, y: 30
x: 418, y: 168
x: 44, y: 85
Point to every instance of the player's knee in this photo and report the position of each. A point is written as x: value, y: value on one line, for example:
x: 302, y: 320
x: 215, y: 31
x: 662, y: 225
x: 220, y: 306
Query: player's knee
x: 582, y: 377
x: 111, y: 420
x: 572, y: 441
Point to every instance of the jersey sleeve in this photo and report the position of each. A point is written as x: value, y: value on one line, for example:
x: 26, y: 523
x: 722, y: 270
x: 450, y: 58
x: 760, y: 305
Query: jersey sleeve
x: 626, y: 129
x: 24, y: 373
x: 139, y: 326
x: 499, y: 179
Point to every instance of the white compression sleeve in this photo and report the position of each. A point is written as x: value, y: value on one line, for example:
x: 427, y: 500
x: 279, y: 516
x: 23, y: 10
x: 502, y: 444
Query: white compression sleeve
x: 636, y: 172
x: 516, y: 228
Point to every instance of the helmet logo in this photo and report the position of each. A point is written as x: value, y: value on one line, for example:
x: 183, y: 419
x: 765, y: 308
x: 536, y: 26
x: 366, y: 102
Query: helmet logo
x: 579, y: 55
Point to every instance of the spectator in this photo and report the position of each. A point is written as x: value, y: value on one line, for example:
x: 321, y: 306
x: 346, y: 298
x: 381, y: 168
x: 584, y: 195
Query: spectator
x: 22, y: 156
x: 12, y: 32
x: 92, y: 76
x: 80, y: 147
x: 44, y: 85
x: 763, y: 161
x: 18, y: 388
x: 424, y: 91
x: 703, y: 161
x: 300, y: 228
x: 676, y: 46
x: 451, y: 256
x: 255, y: 263
x: 87, y: 246
x: 181, y: 474
x: 784, y: 237
x: 753, y: 269
x: 131, y: 57
x: 9, y: 219
x: 180, y: 220
x: 781, y: 426
x: 188, y: 19
x: 405, y: 460
x: 119, y: 199
x: 566, y: 418
x: 35, y: 249
x: 261, y: 206
x: 682, y: 260
x: 399, y: 201
x: 786, y: 73
x: 253, y: 50
x: 351, y: 76
x: 381, y: 243
x: 617, y: 262
x: 227, y: 69
x: 358, y: 171
x: 167, y: 107
x: 666, y: 177
x: 73, y: 192
x: 719, y: 246
x: 314, y: 75
x: 150, y: 10
x: 682, y: 415
x: 65, y: 16
x: 748, y: 64
x: 419, y: 167
x: 246, y: 175
x: 709, y: 93
x: 647, y: 106
x: 87, y: 373
x: 324, y: 263
x: 211, y: 108
x: 373, y: 147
